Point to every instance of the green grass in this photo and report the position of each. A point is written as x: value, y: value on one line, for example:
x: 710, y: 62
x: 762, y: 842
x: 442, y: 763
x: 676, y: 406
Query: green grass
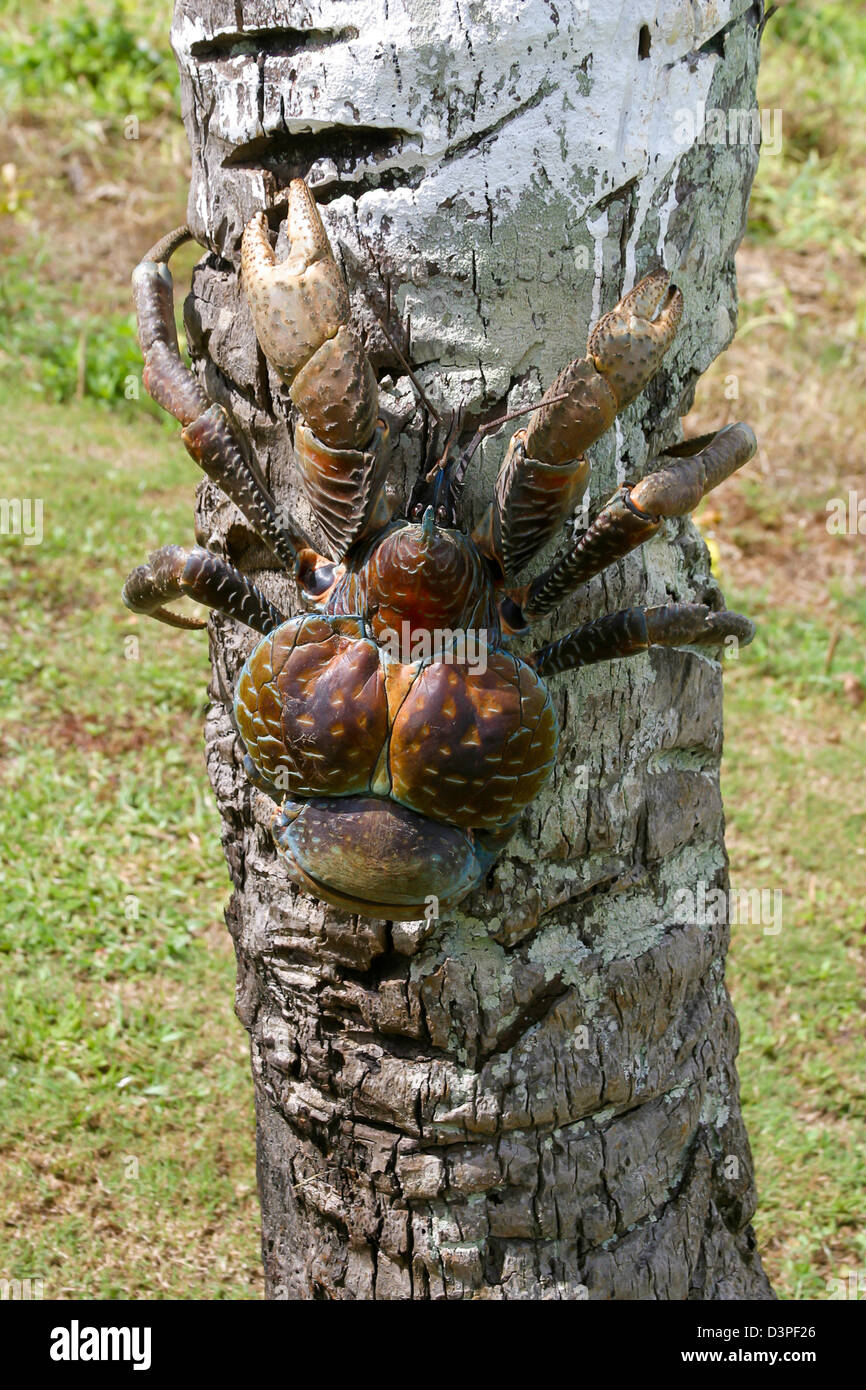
x: 59, y: 351
x: 814, y: 71
x: 52, y: 345
x: 128, y: 1132
x: 794, y: 783
x: 94, y: 58
x: 66, y: 325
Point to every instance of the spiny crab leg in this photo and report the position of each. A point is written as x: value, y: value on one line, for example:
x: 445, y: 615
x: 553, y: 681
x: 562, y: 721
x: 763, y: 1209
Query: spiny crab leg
x: 300, y: 311
x: 207, y: 433
x: 210, y: 440
x: 688, y: 472
x: 173, y: 572
x: 543, y: 472
x: 166, y: 377
x: 635, y: 629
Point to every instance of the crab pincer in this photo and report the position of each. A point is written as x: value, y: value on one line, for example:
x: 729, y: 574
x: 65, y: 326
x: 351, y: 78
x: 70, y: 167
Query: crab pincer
x: 544, y: 471
x: 301, y: 315
x: 624, y: 352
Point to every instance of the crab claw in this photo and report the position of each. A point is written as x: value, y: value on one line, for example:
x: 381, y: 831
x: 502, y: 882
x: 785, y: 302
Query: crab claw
x: 544, y: 471
x: 150, y: 587
x: 300, y: 310
x: 300, y: 303
x: 691, y: 470
x: 628, y: 344
x: 624, y: 350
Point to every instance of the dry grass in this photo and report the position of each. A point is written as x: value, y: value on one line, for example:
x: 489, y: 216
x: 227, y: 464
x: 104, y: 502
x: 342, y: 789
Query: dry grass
x: 798, y: 368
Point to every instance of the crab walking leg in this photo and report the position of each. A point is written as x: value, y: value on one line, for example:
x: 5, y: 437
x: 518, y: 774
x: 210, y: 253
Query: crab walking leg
x: 635, y: 629
x: 300, y: 311
x: 197, y: 573
x: 207, y: 434
x: 689, y: 471
x: 166, y: 377
x: 544, y: 472
x: 209, y: 440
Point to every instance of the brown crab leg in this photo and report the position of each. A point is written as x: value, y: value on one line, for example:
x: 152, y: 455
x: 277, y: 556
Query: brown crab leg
x: 543, y: 472
x: 210, y: 440
x: 635, y: 629
x: 207, y: 433
x: 173, y: 572
x: 688, y: 472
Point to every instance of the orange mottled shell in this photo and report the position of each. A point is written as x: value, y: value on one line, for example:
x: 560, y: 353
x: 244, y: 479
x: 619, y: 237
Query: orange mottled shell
x: 324, y: 711
x: 473, y: 748
x: 430, y: 582
x: 310, y: 706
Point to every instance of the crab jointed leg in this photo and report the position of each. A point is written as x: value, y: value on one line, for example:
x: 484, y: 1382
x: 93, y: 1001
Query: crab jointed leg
x: 208, y: 436
x: 635, y: 629
x: 197, y: 573
x: 543, y: 472
x: 688, y: 472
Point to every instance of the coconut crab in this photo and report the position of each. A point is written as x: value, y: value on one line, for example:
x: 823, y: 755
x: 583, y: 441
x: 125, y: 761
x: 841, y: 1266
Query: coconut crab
x: 399, y: 772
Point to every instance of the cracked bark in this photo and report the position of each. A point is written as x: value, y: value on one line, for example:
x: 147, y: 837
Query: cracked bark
x: 537, y: 1098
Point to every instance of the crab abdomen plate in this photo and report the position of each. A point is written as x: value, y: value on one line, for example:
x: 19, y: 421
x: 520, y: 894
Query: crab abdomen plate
x: 367, y: 854
x: 311, y: 709
x: 324, y: 711
x: 473, y: 747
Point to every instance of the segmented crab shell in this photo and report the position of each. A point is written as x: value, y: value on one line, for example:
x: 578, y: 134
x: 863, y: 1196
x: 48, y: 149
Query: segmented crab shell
x: 326, y: 713
x: 301, y: 314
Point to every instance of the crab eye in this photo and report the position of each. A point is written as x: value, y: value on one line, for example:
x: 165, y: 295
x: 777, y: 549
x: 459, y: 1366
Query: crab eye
x: 441, y: 514
x: 512, y: 616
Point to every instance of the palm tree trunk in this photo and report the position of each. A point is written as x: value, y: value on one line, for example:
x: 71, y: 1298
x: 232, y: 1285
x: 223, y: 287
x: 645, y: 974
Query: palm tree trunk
x: 536, y: 1098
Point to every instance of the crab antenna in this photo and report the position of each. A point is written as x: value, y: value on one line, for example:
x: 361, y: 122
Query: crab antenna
x: 454, y: 427
x: 422, y: 394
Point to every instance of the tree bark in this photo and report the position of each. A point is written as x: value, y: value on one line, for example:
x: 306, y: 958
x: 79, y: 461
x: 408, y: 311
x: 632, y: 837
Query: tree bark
x: 537, y: 1097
